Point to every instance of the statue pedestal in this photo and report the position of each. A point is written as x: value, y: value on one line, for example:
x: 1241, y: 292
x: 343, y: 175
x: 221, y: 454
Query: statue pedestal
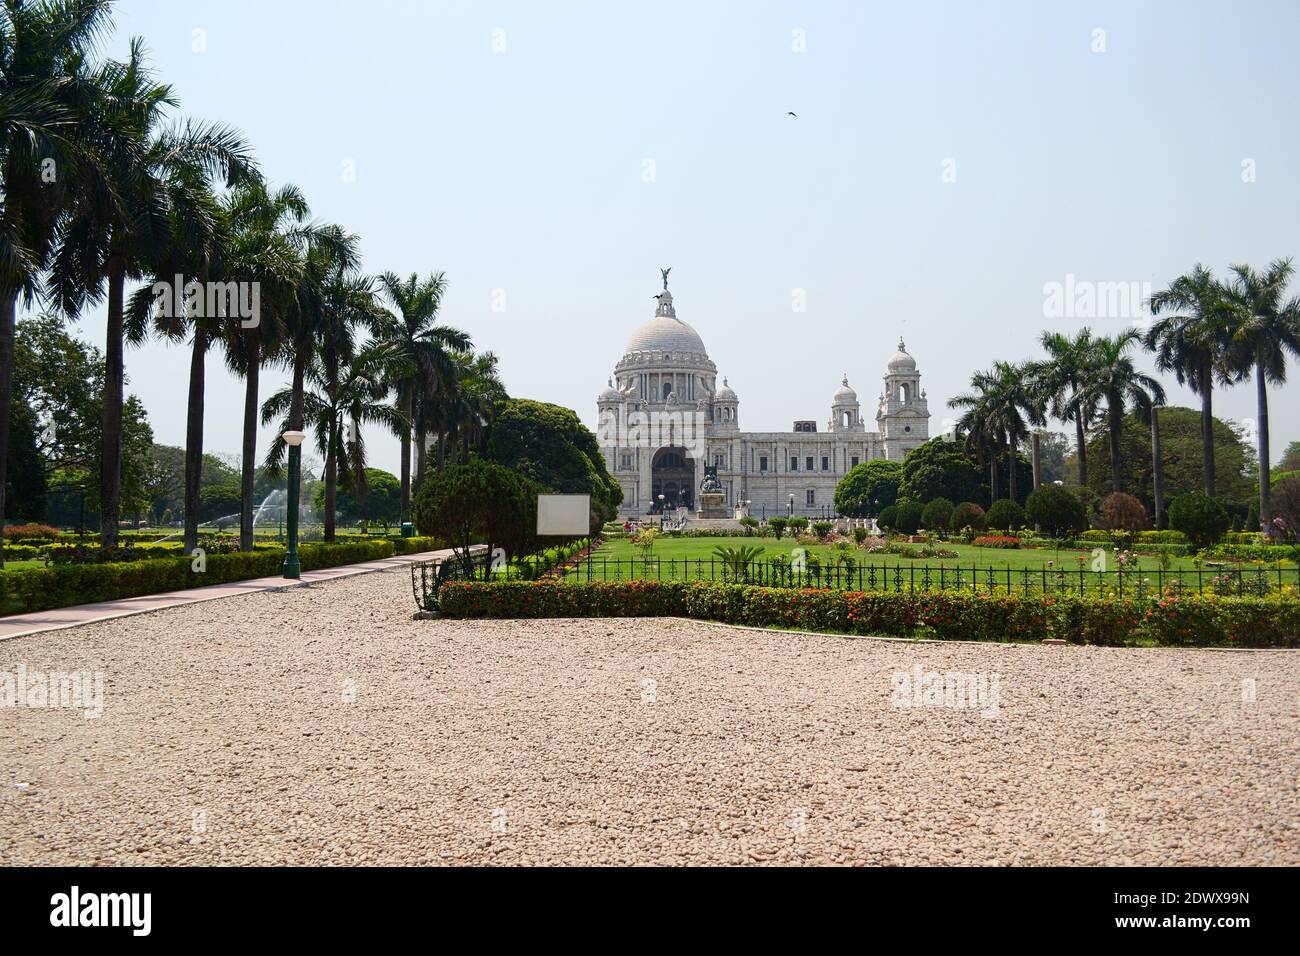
x: 713, y: 504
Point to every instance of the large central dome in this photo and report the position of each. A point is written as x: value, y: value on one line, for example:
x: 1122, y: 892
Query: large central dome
x: 664, y: 334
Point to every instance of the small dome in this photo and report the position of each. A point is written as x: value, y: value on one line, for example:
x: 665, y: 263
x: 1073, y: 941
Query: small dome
x: 725, y: 394
x: 844, y: 395
x: 900, y: 361
x: 611, y: 394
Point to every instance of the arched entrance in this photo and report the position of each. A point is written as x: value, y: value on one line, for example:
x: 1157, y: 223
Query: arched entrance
x: 672, y: 474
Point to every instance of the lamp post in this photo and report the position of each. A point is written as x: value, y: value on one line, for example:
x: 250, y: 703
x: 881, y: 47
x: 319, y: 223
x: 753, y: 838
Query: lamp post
x: 294, y: 439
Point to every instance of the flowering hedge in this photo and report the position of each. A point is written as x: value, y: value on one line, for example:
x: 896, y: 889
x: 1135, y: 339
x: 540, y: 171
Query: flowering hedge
x: 1008, y: 541
x: 947, y: 615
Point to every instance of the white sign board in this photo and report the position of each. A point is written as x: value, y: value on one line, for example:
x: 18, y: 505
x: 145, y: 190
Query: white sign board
x: 564, y: 515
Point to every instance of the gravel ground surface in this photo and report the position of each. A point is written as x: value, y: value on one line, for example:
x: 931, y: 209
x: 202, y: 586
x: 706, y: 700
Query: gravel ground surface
x: 353, y: 734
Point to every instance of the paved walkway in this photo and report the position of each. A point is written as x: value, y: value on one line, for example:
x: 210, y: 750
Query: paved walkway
x: 19, y: 624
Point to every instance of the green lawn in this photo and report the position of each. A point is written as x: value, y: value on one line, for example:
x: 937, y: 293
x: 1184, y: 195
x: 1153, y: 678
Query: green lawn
x: 1033, y: 558
x: 1024, y: 568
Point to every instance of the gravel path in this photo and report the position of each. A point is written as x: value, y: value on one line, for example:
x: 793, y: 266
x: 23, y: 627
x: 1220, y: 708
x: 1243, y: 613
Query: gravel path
x: 357, y: 735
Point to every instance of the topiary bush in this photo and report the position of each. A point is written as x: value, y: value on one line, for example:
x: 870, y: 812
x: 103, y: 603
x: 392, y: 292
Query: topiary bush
x: 1122, y: 516
x: 908, y: 519
x: 1202, y: 519
x: 937, y: 514
x: 888, y: 518
x: 967, y: 515
x: 1005, y: 515
x: 1056, y: 510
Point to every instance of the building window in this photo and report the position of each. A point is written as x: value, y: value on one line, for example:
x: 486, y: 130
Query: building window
x: 812, y: 497
x: 794, y: 463
x: 627, y: 462
x: 762, y: 463
x: 855, y: 461
x: 720, y: 461
x: 808, y: 463
x: 826, y: 463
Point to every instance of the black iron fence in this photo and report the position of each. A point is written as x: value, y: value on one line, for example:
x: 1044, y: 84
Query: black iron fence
x: 854, y: 576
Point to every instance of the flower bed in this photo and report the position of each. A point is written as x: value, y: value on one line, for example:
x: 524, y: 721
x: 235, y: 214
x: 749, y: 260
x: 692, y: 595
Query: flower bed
x: 1173, y: 620
x: 1009, y: 541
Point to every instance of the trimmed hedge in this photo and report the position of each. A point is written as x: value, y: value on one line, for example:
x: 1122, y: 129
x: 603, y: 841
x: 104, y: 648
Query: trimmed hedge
x: 946, y: 615
x: 42, y: 589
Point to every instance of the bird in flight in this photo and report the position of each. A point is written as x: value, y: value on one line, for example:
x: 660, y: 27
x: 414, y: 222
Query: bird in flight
x: 788, y: 113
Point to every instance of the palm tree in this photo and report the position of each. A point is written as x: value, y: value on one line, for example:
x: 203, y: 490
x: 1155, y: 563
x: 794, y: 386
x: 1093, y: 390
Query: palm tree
x: 1059, y: 381
x: 109, y: 239
x: 475, y: 392
x: 1115, y: 378
x: 268, y: 238
x: 45, y: 96
x: 340, y: 401
x: 1000, y: 410
x: 1265, y: 329
x: 427, y: 348
x: 1193, y: 344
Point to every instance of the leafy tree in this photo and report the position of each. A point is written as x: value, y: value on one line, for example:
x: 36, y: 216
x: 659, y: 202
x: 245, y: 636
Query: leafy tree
x: 25, y: 496
x: 940, y: 468
x: 1200, y: 517
x: 937, y: 514
x: 1290, y: 458
x: 778, y: 525
x: 1001, y: 407
x: 1286, y: 509
x: 382, y: 503
x: 1181, y: 457
x: 479, y: 501
x: 1056, y: 510
x: 219, y: 501
x: 1005, y: 515
x: 888, y: 517
x: 549, y: 445
x: 868, y: 487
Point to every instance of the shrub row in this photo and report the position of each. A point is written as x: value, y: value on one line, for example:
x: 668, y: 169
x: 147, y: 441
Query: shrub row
x: 41, y: 589
x: 981, y: 616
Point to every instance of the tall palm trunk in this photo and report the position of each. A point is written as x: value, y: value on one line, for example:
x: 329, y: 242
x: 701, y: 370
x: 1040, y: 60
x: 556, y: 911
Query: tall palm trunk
x: 1261, y: 392
x: 442, y: 450
x: 1207, y: 426
x: 8, y: 312
x: 1157, y: 469
x: 331, y: 482
x: 408, y: 404
x: 421, y: 447
x: 1081, y: 441
x: 249, y: 452
x: 1113, y: 409
x: 993, y: 478
x: 1037, y: 460
x: 110, y: 475
x: 194, y: 438
x: 1013, y: 484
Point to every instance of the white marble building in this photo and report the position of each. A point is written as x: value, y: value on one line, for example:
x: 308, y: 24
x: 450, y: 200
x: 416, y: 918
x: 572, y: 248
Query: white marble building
x: 662, y: 419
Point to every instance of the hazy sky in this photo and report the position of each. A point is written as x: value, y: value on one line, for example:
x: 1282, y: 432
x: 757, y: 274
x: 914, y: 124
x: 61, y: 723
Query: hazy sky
x: 949, y: 160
